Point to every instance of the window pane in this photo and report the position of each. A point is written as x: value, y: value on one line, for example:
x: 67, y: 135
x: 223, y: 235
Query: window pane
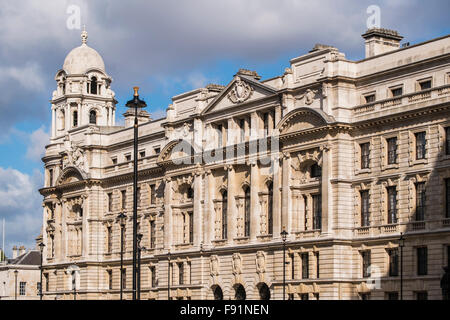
x: 392, y: 205
x: 420, y: 145
x: 305, y: 265
x: 365, y: 155
x: 420, y: 201
x: 425, y: 85
x: 397, y: 92
x: 317, y: 210
x: 392, y: 150
x: 422, y: 261
x: 365, y: 208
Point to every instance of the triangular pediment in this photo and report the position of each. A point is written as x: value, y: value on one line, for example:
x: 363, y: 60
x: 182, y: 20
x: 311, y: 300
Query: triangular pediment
x: 241, y: 90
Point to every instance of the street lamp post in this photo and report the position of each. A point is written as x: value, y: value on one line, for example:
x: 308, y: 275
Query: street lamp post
x: 136, y: 103
x: 284, y: 235
x: 401, y: 245
x: 15, y: 291
x: 41, y: 247
x: 122, y: 221
x: 139, y: 238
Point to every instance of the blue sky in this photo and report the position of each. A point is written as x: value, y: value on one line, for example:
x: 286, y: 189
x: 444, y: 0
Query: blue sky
x: 166, y: 48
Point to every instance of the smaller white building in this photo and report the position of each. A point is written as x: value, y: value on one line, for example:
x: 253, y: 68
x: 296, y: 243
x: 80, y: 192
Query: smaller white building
x: 20, y: 276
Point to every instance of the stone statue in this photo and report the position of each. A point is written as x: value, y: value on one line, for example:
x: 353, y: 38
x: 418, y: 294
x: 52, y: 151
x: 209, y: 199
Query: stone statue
x: 237, y: 263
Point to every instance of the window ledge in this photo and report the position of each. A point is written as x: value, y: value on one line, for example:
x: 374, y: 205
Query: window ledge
x: 418, y: 161
x: 390, y: 166
x: 362, y: 171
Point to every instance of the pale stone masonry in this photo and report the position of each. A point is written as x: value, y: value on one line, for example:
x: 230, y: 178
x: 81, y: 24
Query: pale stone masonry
x: 330, y: 174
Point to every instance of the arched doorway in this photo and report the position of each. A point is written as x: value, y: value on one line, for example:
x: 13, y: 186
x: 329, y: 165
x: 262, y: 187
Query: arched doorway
x: 264, y: 292
x: 218, y: 293
x: 239, y: 292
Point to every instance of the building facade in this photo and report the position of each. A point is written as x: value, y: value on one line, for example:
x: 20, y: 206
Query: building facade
x: 343, y: 155
x: 20, y: 276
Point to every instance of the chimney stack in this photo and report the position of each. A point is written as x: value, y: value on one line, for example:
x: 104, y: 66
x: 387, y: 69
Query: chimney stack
x: 14, y: 252
x: 379, y: 40
x: 22, y: 250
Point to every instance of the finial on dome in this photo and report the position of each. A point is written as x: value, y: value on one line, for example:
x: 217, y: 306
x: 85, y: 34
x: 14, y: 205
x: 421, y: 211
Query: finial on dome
x: 84, y: 35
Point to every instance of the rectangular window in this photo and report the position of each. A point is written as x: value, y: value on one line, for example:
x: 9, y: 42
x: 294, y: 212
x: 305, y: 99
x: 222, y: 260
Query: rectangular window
x: 369, y: 98
x: 46, y: 281
x: 124, y: 278
x: 392, y: 295
x: 420, y: 201
x: 219, y: 136
x: 191, y: 227
x: 365, y: 155
x: 152, y: 194
x: 138, y: 196
x: 110, y: 202
x: 447, y: 198
x: 424, y: 85
x: 128, y: 157
x: 365, y: 256
x: 124, y: 198
x: 152, y: 234
x: 266, y: 124
x: 447, y: 141
x: 110, y: 280
x: 242, y: 129
x: 114, y: 160
x: 153, y: 277
x: 317, y: 210
x: 142, y: 154
x: 393, y: 262
x: 392, y: 205
x: 181, y: 273
x: 317, y: 265
x: 50, y: 177
x: 292, y: 258
x: 157, y: 150
x: 365, y: 213
x: 38, y: 288
x: 422, y: 295
x: 421, y: 144
x: 397, y: 91
x: 109, y: 238
x: 422, y: 261
x: 305, y: 265
x: 392, y: 150
x: 22, y: 289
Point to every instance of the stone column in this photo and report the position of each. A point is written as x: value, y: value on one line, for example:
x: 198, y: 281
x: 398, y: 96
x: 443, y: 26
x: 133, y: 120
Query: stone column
x: 286, y: 193
x: 254, y: 202
x: 168, y: 232
x: 232, y: 210
x: 85, y: 231
x: 327, y: 218
x: 53, y: 121
x: 254, y: 124
x: 67, y: 117
x: 276, y: 199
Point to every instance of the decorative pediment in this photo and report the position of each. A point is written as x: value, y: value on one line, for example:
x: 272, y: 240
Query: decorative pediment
x: 304, y: 119
x: 70, y: 175
x: 242, y: 89
x: 176, y: 149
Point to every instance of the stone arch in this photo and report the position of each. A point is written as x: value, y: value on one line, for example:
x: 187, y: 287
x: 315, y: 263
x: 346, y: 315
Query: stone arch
x: 217, y: 292
x: 303, y: 119
x: 263, y: 291
x: 179, y: 146
x: 239, y: 292
x: 71, y: 174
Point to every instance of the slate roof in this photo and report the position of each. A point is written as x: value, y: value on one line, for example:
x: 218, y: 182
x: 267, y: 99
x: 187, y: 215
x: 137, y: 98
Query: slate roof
x: 30, y: 258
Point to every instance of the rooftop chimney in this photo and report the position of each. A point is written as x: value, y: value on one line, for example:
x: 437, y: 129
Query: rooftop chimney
x: 22, y: 250
x: 380, y: 40
x: 15, y: 252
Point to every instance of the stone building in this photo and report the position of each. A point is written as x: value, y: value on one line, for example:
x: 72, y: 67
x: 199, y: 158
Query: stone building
x: 345, y: 155
x: 20, y: 276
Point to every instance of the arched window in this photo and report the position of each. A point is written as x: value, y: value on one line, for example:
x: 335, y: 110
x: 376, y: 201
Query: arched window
x: 218, y: 294
x: 247, y: 212
x: 270, y: 208
x: 224, y: 214
x: 94, y: 85
x: 264, y: 292
x: 75, y: 119
x: 316, y: 171
x: 93, y: 117
x: 240, y: 293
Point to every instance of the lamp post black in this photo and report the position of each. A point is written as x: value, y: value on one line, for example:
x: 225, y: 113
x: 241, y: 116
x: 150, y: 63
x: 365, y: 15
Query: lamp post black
x: 122, y: 221
x: 401, y: 244
x: 15, y: 291
x: 284, y: 235
x: 139, y: 238
x: 136, y: 103
x: 41, y: 247
x: 168, y: 276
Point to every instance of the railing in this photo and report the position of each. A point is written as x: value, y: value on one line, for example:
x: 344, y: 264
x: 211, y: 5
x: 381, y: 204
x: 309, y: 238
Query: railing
x: 403, y: 100
x: 418, y: 225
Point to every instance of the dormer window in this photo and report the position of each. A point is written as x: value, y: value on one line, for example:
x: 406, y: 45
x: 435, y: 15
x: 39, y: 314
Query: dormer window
x: 93, y: 117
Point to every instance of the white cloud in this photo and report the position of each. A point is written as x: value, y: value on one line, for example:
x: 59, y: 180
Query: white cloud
x: 38, y: 139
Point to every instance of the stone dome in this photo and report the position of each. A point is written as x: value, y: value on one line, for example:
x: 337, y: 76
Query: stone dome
x: 82, y: 58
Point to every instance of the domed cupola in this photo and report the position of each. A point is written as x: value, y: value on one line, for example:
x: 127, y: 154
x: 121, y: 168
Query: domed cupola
x: 83, y: 58
x: 83, y: 96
